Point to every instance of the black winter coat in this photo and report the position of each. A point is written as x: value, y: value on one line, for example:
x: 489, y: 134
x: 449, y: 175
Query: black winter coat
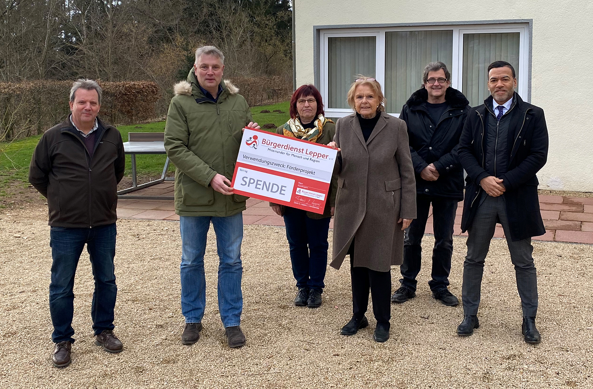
x: 527, y: 144
x: 81, y: 191
x: 436, y: 144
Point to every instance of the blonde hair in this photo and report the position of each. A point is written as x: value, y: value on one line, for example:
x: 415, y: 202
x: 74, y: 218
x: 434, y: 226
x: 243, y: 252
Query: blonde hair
x: 371, y: 83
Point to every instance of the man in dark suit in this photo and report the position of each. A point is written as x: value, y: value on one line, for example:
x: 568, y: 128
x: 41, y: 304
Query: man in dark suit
x: 503, y: 145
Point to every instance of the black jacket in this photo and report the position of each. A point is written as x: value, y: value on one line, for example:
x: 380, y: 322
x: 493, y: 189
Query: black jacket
x: 81, y: 192
x: 527, y: 146
x: 436, y: 144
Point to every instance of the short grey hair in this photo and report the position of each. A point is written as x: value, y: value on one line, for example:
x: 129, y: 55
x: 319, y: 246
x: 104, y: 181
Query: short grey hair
x: 209, y: 50
x: 87, y: 84
x: 435, y: 67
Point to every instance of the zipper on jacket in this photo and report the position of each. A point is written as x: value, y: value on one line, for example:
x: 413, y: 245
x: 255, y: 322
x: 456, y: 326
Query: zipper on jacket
x: 496, y: 145
x: 483, y: 157
x: 483, y: 133
x: 88, y: 161
x: 88, y: 164
x: 497, y: 133
x: 518, y: 134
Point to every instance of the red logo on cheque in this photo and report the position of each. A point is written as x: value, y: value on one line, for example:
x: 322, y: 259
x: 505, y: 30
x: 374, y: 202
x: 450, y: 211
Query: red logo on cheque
x: 252, y: 141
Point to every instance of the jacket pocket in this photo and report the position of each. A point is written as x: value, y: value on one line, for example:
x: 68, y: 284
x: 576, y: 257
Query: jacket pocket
x: 239, y: 198
x: 196, y: 194
x: 340, y: 182
x: 393, y: 185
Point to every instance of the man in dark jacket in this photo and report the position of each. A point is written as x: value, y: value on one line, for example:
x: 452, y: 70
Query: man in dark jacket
x: 435, y: 115
x: 77, y: 166
x: 503, y: 145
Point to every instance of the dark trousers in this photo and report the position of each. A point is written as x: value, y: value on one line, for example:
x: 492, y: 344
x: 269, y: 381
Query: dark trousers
x: 307, y: 239
x: 443, y: 215
x: 67, y: 245
x: 379, y: 283
x: 491, y: 211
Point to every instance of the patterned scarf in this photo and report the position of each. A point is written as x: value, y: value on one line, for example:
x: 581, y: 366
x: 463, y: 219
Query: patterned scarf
x: 293, y: 128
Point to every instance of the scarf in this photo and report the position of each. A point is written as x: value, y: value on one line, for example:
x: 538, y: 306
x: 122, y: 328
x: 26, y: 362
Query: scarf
x: 294, y: 129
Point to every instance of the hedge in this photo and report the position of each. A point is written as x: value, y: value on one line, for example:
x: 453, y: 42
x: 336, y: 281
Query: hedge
x: 29, y: 108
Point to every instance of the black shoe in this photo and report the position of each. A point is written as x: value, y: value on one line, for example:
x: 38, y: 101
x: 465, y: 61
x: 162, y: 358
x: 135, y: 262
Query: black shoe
x: 402, y: 295
x: 445, y: 297
x: 530, y: 333
x: 235, y: 337
x: 381, y: 334
x: 314, y: 300
x: 466, y: 328
x: 302, y: 297
x: 354, y: 325
x: 61, y: 355
x: 191, y: 333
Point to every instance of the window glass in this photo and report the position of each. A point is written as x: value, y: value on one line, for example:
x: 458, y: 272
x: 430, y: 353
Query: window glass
x: 479, y: 51
x: 406, y: 55
x: 348, y: 57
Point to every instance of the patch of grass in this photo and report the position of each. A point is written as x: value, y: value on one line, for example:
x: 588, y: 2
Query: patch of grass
x: 15, y: 156
x: 275, y: 118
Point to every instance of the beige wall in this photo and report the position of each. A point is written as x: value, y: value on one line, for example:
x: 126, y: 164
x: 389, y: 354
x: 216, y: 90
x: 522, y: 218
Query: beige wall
x: 562, y: 54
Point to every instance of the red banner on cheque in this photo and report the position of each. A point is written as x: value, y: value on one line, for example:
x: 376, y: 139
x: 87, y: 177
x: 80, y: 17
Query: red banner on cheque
x: 284, y: 170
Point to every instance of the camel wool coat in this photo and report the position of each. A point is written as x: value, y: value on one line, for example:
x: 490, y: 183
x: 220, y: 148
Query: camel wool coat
x: 376, y: 187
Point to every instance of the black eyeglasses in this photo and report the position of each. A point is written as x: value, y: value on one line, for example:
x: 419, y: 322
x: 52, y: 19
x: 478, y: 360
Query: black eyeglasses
x: 432, y: 81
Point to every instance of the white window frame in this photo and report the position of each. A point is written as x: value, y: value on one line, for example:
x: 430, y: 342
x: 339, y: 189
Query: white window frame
x: 324, y: 64
x: 459, y: 30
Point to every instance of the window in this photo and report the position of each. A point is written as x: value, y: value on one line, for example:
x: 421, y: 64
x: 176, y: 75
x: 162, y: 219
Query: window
x: 396, y: 57
x: 406, y: 54
x: 348, y: 56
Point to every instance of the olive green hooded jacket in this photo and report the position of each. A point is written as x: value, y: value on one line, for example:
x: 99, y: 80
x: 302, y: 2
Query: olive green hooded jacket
x: 202, y: 138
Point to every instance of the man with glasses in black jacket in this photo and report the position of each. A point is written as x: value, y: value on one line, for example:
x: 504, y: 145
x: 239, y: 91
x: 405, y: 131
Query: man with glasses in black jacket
x: 435, y: 115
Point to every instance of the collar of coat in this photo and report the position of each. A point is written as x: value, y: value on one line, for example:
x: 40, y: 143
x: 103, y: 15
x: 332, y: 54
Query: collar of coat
x: 190, y: 87
x: 453, y: 97
x: 517, y: 102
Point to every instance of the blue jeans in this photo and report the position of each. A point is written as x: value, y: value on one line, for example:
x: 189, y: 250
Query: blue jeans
x: 66, y: 246
x: 229, y: 235
x: 307, y: 239
x: 443, y: 214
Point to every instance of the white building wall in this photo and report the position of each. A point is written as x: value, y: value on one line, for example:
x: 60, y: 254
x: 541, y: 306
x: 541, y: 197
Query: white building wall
x: 562, y: 59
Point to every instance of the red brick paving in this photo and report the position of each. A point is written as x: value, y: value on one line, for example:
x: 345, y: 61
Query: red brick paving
x: 561, y: 207
x: 562, y: 225
x: 581, y: 200
x: 551, y: 199
x: 581, y: 217
x: 550, y: 215
x: 567, y: 219
x: 574, y: 236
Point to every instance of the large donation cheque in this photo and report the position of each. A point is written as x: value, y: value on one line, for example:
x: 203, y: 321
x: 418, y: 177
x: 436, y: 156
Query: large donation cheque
x: 283, y: 170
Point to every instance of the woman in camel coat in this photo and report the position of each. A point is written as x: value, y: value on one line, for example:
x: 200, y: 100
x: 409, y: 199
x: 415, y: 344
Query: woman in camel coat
x: 376, y: 201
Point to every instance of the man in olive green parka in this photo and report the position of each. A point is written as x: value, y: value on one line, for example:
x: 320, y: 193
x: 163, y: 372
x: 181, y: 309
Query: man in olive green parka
x: 202, y: 138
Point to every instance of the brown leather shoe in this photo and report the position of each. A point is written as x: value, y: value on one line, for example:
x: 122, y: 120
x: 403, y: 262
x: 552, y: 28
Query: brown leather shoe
x: 235, y: 337
x: 61, y: 356
x: 109, y: 342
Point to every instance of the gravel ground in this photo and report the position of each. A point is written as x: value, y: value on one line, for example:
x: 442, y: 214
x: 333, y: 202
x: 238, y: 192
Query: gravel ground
x: 288, y: 346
